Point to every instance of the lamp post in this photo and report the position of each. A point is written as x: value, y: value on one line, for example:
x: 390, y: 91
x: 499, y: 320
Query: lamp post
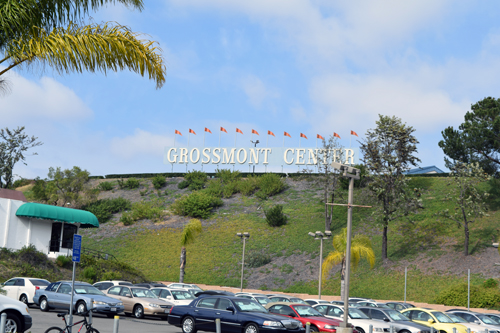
x: 255, y: 145
x: 318, y: 235
x: 244, y: 236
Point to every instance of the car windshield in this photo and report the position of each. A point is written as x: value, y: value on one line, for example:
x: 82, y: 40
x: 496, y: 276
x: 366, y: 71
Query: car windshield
x: 357, y: 314
x: 496, y: 319
x: 263, y: 300
x: 441, y: 317
x: 181, y: 294
x: 89, y: 290
x: 307, y: 311
x: 247, y: 305
x: 139, y: 292
x: 486, y: 319
x: 456, y: 319
x: 396, y: 315
x: 297, y: 300
x: 38, y: 282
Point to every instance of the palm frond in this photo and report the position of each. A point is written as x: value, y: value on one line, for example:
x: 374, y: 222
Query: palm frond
x: 191, y: 230
x: 91, y: 48
x: 333, y: 259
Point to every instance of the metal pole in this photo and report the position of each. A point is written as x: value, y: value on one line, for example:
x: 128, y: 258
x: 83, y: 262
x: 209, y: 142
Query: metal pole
x: 320, y: 266
x: 3, y: 321
x: 405, y: 281
x: 90, y: 310
x: 217, y: 325
x: 71, y: 300
x: 242, y: 264
x: 468, y: 290
x: 348, y: 251
x: 116, y: 324
x: 308, y: 327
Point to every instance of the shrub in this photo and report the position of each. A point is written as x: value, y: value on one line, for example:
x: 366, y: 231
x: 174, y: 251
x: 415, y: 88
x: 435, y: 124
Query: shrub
x: 257, y: 259
x: 90, y: 274
x: 103, y: 209
x: 227, y: 176
x: 248, y: 186
x: 270, y: 184
x: 132, y: 183
x: 63, y: 261
x: 490, y: 283
x: 112, y: 276
x: 126, y: 219
x: 214, y: 188
x: 105, y: 186
x: 151, y: 210
x: 197, y: 204
x: 230, y: 188
x: 159, y: 181
x: 480, y: 297
x: 196, y: 179
x: 183, y: 184
x: 275, y: 216
x: 20, y: 182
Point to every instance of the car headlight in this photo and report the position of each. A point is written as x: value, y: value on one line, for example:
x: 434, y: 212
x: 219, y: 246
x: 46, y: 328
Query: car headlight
x: 378, y: 329
x: 100, y: 303
x: 119, y: 304
x: 330, y: 327
x: 272, y: 323
x: 153, y: 305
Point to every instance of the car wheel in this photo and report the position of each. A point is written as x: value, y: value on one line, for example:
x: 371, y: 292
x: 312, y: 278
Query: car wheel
x: 24, y: 299
x: 314, y: 329
x: 81, y: 307
x: 13, y: 324
x: 251, y: 328
x: 360, y: 330
x: 139, y: 312
x: 188, y: 325
x: 44, y: 305
x: 404, y: 331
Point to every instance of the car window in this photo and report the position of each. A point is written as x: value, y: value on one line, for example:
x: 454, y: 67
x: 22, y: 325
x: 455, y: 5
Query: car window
x: 114, y: 291
x: 87, y: 290
x: 181, y: 295
x: 64, y: 289
x: 396, y: 315
x: 53, y: 286
x: 125, y: 292
x: 282, y: 310
x: 377, y: 314
x: 11, y: 282
x: 19, y: 282
x: 486, y: 319
x: 420, y: 315
x: 142, y: 293
x: 357, y: 314
x: 165, y: 293
x: 455, y: 318
x: 125, y: 284
x: 297, y: 300
x: 157, y: 292
x: 322, y: 309
x: 442, y: 318
x: 495, y: 318
x: 223, y: 304
x: 247, y: 305
x: 208, y: 303
x: 245, y: 296
x: 306, y: 311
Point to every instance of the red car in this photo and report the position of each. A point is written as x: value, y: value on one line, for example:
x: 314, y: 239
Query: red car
x: 305, y: 313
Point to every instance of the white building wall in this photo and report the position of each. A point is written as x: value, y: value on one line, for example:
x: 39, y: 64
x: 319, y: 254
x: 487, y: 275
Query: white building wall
x: 40, y: 234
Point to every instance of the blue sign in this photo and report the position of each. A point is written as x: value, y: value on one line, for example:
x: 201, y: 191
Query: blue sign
x: 77, y: 247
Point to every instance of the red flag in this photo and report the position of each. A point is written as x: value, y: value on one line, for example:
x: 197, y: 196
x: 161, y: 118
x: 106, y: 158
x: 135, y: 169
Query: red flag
x: 238, y: 130
x: 288, y: 135
x: 336, y: 135
x: 354, y: 133
x: 177, y: 132
x: 255, y: 132
x: 270, y: 133
x: 222, y: 129
x: 302, y: 135
x: 207, y: 130
x: 319, y: 137
x: 191, y: 131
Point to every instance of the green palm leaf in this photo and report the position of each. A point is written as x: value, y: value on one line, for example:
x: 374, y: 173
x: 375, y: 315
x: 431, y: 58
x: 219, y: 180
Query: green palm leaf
x: 191, y: 230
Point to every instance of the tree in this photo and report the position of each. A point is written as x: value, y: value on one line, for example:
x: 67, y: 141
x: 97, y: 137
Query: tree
x: 44, y: 32
x: 191, y: 230
x: 13, y: 146
x: 389, y: 151
x: 477, y: 140
x: 361, y: 247
x: 468, y: 201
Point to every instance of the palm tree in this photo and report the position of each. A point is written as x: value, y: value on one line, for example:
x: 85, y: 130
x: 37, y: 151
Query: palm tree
x: 361, y: 247
x: 191, y: 230
x: 45, y: 32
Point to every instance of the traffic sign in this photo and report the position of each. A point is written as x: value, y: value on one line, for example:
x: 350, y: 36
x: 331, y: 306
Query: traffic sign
x: 77, y: 247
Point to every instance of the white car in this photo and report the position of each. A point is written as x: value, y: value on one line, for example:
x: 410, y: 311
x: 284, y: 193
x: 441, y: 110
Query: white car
x: 259, y: 298
x: 105, y: 285
x: 314, y: 301
x: 184, y: 286
x: 23, y: 288
x: 356, y: 317
x: 176, y: 296
x: 18, y: 316
x: 474, y: 328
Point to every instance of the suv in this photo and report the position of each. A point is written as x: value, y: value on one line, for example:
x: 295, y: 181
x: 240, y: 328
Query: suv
x: 18, y: 316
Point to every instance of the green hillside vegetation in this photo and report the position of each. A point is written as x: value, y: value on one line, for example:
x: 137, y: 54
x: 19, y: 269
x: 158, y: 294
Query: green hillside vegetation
x: 214, y: 257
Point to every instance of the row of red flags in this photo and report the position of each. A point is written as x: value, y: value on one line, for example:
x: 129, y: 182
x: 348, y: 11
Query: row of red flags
x: 302, y: 135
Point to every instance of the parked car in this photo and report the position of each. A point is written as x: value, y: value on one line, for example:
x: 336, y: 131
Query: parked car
x: 478, y: 318
x: 286, y: 298
x: 213, y: 292
x: 140, y: 302
x: 373, y: 304
x: 23, y: 288
x: 57, y: 295
x: 341, y: 303
x: 436, y: 319
x: 399, y: 321
x: 314, y: 301
x: 259, y: 298
x: 474, y: 328
x: 305, y: 313
x: 360, y: 299
x: 236, y: 315
x: 18, y: 316
x: 176, y: 296
x: 494, y: 317
x: 104, y: 285
x: 357, y: 318
x: 184, y: 286
x: 399, y: 305
x: 149, y: 285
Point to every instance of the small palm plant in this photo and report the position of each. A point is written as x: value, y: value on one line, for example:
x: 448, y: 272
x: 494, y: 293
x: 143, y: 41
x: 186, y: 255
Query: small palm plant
x: 361, y: 247
x: 191, y: 230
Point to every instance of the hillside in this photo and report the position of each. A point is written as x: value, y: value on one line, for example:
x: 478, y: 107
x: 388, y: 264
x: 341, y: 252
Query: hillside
x: 429, y: 246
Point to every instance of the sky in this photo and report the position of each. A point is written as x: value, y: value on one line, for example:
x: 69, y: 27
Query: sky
x: 312, y: 67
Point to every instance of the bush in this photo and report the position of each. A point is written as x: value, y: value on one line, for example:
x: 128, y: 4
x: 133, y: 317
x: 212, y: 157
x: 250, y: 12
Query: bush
x: 275, y: 216
x: 103, y: 209
x: 197, y: 204
x: 21, y: 182
x: 63, y: 261
x: 227, y: 176
x: 105, y: 186
x: 90, y: 274
x: 269, y: 185
x: 257, y: 259
x: 230, y: 189
x: 480, y: 297
x: 151, y: 210
x: 490, y: 283
x: 112, y: 276
x: 196, y: 180
x: 183, y: 184
x: 248, y: 186
x: 159, y: 181
x: 214, y: 188
x: 132, y: 183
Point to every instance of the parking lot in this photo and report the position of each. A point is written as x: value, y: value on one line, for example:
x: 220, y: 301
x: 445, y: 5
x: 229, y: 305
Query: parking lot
x: 44, y: 320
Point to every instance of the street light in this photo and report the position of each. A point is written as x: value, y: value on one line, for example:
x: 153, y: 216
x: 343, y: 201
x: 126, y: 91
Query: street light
x: 255, y: 145
x: 319, y: 235
x: 244, y: 236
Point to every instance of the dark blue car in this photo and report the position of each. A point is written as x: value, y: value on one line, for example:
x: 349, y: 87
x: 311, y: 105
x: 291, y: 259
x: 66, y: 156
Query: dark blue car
x: 237, y: 315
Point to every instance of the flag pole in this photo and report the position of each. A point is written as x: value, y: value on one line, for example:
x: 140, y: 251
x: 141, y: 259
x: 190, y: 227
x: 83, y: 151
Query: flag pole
x: 267, y: 140
x: 235, y: 136
x: 219, y: 136
x: 350, y: 139
x: 174, y: 147
x: 189, y: 136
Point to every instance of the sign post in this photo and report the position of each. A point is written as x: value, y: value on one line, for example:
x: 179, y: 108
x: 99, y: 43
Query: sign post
x: 77, y: 249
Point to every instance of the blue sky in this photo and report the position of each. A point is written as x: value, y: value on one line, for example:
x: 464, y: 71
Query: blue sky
x: 312, y: 67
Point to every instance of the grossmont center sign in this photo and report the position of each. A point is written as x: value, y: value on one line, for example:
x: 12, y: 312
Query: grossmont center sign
x: 276, y: 156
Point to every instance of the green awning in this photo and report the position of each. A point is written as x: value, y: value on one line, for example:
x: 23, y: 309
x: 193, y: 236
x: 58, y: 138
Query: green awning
x: 59, y: 214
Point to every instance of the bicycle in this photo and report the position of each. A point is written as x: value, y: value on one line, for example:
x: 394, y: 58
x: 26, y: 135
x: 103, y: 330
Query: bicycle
x: 84, y: 322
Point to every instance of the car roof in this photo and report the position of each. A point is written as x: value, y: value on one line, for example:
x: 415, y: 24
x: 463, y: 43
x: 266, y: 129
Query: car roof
x: 268, y: 305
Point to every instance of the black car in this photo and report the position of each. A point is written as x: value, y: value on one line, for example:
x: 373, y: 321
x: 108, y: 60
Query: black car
x: 235, y: 314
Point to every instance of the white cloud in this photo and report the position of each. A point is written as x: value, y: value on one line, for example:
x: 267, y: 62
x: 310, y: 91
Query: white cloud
x: 140, y: 143
x: 257, y: 92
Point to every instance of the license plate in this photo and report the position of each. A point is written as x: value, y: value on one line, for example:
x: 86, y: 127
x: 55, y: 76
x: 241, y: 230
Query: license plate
x: 113, y: 309
x: 167, y: 311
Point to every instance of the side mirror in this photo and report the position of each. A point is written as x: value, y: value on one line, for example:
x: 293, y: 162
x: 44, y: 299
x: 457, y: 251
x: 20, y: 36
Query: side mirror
x: 230, y: 308
x: 386, y: 319
x: 430, y: 321
x: 477, y: 322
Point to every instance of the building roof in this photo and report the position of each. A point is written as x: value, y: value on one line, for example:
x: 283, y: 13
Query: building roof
x: 424, y: 170
x: 12, y: 194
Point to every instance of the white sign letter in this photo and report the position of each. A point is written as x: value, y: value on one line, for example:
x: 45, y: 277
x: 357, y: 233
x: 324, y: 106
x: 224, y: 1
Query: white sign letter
x: 238, y: 155
x: 197, y: 155
x: 216, y: 156
x: 228, y: 159
x: 205, y: 155
x: 300, y: 156
x: 175, y: 156
x: 349, y: 154
x: 184, y: 156
x: 285, y: 156
x: 255, y: 154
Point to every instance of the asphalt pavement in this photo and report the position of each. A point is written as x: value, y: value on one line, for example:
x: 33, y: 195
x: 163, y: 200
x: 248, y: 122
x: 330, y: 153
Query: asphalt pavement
x: 43, y: 320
